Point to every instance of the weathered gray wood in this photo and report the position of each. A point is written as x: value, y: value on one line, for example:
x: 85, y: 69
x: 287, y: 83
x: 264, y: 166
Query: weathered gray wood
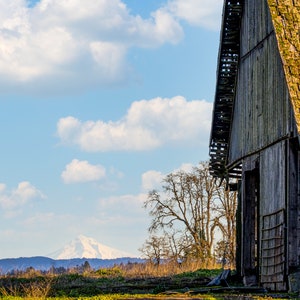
x: 255, y: 130
x: 263, y: 124
x: 273, y: 179
x: 262, y: 111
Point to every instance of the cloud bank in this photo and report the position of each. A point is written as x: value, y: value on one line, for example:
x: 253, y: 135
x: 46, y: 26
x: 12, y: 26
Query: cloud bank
x: 65, y: 44
x: 65, y: 39
x: 147, y: 125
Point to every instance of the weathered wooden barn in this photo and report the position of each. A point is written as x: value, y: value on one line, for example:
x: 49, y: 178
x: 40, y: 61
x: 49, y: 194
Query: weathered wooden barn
x: 255, y: 135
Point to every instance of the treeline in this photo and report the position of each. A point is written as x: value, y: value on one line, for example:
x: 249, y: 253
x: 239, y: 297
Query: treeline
x: 192, y: 218
x: 31, y: 271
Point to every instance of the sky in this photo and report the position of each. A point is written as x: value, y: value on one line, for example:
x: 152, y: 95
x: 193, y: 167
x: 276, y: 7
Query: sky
x: 100, y: 99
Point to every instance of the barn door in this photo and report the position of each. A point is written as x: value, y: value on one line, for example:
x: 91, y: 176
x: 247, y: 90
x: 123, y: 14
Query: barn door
x: 250, y: 239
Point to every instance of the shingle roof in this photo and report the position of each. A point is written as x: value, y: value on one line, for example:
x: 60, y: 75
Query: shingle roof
x: 286, y: 20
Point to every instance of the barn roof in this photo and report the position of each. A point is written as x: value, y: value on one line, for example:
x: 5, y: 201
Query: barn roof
x: 286, y: 20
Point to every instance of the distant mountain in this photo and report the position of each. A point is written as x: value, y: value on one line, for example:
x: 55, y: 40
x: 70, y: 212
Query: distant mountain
x: 86, y: 247
x: 72, y: 255
x: 45, y: 264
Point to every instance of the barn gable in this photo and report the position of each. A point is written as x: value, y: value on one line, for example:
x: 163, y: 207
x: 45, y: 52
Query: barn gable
x: 284, y: 28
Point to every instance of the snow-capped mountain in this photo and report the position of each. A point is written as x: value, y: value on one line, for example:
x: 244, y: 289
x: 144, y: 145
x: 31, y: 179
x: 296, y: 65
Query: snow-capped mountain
x: 86, y: 247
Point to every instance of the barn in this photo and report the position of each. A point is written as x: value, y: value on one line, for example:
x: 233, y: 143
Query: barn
x: 254, y: 143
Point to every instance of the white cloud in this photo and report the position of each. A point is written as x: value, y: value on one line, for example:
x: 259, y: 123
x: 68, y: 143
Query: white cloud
x: 185, y: 167
x: 108, y: 56
x: 205, y: 13
x: 66, y: 40
x: 167, y: 27
x: 152, y: 180
x: 147, y: 125
x: 82, y: 171
x: 65, y: 44
x: 12, y: 201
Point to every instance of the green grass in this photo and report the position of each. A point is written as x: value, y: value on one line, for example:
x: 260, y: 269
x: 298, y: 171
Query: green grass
x: 113, y: 284
x: 149, y: 297
x: 200, y: 273
x: 102, y: 283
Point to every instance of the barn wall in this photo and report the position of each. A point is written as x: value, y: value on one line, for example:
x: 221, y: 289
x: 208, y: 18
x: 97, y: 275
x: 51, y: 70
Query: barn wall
x: 265, y: 199
x: 262, y: 111
x: 264, y: 140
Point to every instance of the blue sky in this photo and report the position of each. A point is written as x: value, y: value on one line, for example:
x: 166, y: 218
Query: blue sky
x: 98, y: 103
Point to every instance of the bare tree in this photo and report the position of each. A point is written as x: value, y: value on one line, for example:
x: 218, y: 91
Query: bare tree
x: 178, y: 245
x: 226, y: 221
x: 155, y: 249
x: 186, y: 204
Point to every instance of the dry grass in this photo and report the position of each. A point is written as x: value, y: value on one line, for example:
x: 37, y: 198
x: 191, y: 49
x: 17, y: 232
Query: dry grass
x: 165, y: 269
x: 31, y: 289
x: 120, y: 278
x: 38, y: 289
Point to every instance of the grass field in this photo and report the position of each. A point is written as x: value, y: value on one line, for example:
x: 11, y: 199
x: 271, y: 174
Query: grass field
x: 140, y: 281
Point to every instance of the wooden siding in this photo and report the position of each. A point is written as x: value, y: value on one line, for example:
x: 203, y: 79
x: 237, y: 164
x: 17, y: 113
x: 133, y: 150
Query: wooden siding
x: 278, y: 192
x: 262, y: 111
x: 271, y: 196
x: 273, y: 179
x: 256, y: 24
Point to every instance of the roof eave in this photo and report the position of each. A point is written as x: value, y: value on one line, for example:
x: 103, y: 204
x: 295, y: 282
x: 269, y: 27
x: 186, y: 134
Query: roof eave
x: 228, y: 61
